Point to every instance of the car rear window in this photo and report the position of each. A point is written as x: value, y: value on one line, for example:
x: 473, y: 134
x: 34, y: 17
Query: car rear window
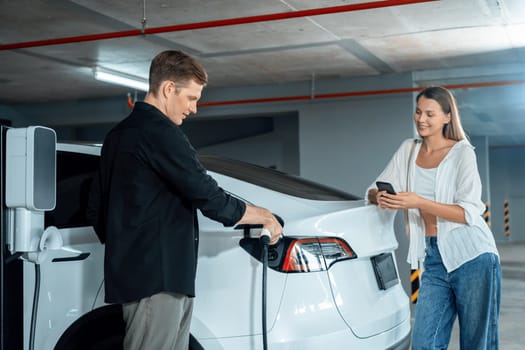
x: 75, y: 172
x: 274, y: 179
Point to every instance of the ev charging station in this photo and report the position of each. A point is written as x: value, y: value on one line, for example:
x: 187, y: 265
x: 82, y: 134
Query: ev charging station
x: 28, y: 175
x: 30, y: 191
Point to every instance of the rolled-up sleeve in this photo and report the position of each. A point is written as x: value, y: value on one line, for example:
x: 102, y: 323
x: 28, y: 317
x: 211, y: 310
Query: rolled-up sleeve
x: 468, y: 185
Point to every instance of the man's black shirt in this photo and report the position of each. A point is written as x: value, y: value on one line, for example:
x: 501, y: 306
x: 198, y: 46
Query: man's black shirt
x: 143, y: 206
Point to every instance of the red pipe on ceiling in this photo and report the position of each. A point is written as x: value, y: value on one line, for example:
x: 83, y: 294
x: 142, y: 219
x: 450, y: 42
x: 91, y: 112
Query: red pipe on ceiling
x: 355, y: 93
x: 216, y: 23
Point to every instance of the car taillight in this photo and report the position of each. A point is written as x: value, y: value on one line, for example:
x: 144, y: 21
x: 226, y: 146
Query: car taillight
x: 315, y: 254
x: 301, y: 254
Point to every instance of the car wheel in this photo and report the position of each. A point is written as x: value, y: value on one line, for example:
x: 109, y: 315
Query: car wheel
x: 100, y: 329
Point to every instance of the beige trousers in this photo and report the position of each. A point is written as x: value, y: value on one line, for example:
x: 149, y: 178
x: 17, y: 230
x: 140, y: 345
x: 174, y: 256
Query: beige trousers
x: 160, y: 322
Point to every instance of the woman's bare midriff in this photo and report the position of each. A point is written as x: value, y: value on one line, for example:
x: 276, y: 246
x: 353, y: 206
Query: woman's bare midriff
x: 430, y: 224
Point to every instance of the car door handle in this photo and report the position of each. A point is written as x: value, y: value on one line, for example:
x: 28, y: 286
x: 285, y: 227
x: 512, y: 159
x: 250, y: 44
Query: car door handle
x: 79, y: 257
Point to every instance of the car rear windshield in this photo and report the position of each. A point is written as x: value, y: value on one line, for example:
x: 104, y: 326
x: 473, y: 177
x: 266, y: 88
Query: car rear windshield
x: 274, y: 180
x: 74, y: 174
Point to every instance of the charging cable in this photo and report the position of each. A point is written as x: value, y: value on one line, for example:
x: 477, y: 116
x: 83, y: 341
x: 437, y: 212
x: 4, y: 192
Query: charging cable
x: 265, y: 241
x: 34, y: 310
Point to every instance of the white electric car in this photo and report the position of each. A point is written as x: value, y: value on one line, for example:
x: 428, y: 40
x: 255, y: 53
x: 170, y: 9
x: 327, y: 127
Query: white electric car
x: 332, y: 282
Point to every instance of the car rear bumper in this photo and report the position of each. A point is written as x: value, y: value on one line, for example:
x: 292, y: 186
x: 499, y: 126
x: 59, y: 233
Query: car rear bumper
x: 312, y: 315
x: 403, y: 344
x: 397, y: 338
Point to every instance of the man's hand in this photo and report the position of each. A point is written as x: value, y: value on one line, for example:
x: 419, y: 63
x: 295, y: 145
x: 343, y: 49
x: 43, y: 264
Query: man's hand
x: 258, y: 215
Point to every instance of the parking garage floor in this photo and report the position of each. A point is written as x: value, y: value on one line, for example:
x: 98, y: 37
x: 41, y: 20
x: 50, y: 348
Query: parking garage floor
x: 512, y: 310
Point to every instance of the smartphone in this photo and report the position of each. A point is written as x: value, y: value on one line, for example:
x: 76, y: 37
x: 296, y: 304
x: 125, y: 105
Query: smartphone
x: 385, y: 186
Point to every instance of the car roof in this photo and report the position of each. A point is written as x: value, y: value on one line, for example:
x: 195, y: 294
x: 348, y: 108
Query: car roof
x: 84, y: 148
x: 274, y: 179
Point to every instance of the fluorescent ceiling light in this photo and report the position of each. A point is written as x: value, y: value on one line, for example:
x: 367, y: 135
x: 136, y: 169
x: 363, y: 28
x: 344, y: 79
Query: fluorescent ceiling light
x: 119, y: 78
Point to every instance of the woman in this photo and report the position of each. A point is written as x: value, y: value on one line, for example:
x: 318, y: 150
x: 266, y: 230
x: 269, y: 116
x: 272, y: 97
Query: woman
x: 439, y: 184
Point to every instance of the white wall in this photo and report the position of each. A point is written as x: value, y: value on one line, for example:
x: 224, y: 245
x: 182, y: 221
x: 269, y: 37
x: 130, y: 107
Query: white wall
x: 347, y: 144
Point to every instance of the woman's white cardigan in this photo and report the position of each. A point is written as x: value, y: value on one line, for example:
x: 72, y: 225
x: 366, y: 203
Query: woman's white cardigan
x: 457, y: 182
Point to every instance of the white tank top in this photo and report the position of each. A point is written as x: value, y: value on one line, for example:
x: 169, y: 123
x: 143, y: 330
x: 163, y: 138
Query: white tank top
x: 425, y: 182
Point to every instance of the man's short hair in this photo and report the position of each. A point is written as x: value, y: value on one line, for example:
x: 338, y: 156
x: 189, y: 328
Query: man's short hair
x: 176, y: 66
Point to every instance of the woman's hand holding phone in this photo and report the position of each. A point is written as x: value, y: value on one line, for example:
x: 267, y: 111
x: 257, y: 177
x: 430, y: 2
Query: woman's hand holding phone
x: 385, y: 186
x: 381, y: 188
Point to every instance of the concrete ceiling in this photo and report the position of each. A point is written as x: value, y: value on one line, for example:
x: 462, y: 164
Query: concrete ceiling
x: 441, y: 42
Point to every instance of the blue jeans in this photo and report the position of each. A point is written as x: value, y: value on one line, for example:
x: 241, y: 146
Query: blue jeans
x: 472, y: 292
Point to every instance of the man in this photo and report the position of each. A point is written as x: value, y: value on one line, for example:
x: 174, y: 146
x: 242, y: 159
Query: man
x: 143, y: 206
